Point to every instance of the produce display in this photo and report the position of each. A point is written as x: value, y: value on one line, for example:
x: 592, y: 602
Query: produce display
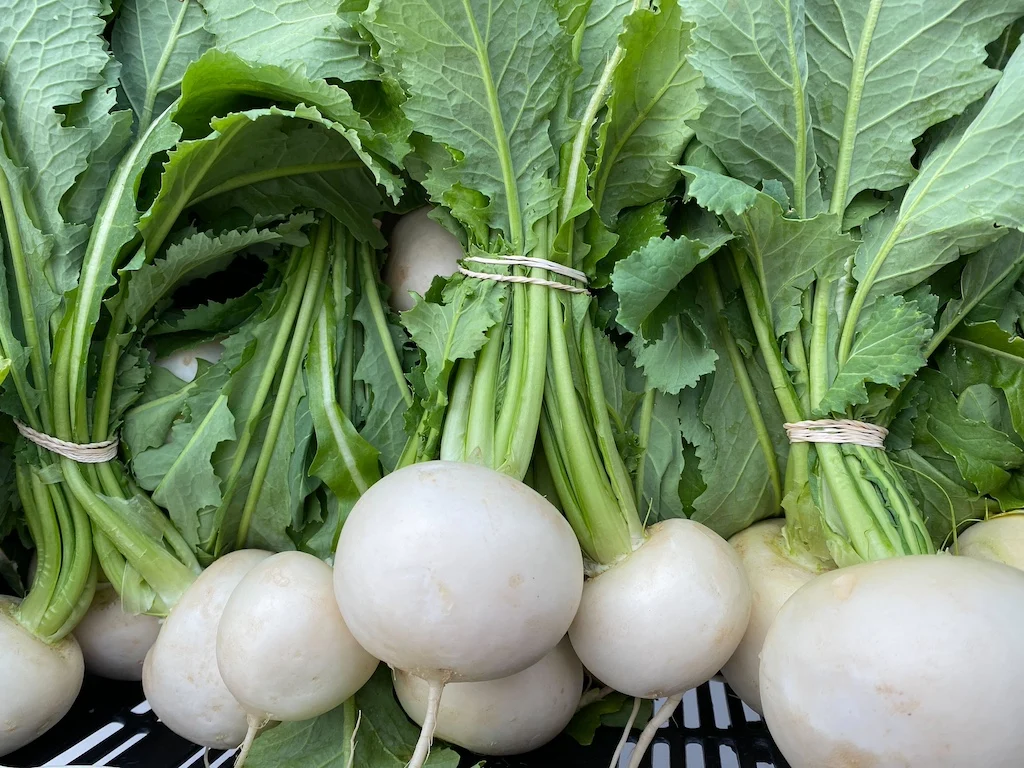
x: 558, y: 354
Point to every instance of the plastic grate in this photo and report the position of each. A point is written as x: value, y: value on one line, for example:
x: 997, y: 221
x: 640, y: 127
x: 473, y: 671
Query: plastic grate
x: 111, y: 724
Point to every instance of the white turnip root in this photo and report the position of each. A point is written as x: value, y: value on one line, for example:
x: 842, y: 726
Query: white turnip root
x: 38, y: 682
x: 180, y: 676
x: 114, y: 643
x: 1000, y: 539
x: 456, y: 573
x: 509, y: 716
x: 912, y: 661
x: 773, y: 578
x: 282, y: 646
x: 185, y: 362
x: 667, y: 617
x: 420, y: 249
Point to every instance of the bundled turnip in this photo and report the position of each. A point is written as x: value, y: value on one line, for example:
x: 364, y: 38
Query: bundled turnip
x: 821, y: 308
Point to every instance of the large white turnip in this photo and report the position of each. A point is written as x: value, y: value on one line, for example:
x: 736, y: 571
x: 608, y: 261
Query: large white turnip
x: 911, y: 661
x: 114, y: 642
x: 773, y: 578
x: 420, y: 250
x: 456, y: 573
x: 38, y: 681
x: 283, y: 649
x: 1000, y: 539
x: 664, y: 619
x: 509, y: 716
x: 180, y: 675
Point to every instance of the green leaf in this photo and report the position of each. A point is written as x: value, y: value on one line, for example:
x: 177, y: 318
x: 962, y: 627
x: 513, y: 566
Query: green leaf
x: 663, y: 463
x: 654, y: 94
x: 1001, y: 49
x: 312, y: 33
x: 384, y: 427
x: 600, y: 24
x: 155, y: 41
x: 384, y: 738
x: 200, y: 255
x: 882, y: 73
x: 454, y: 330
x: 483, y: 78
x: 162, y: 401
x: 888, y: 347
x: 612, y: 711
x: 936, y: 222
x: 679, y: 357
x: 757, y: 120
x: 787, y: 254
x: 646, y: 278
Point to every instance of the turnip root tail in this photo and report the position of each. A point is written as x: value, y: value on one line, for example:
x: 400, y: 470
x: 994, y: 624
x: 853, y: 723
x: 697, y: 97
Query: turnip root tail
x: 419, y: 757
x: 647, y: 735
x: 256, y: 724
x: 625, y: 733
x: 352, y: 741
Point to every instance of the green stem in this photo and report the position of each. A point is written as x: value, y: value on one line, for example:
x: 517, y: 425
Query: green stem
x: 852, y: 506
x: 368, y: 284
x: 42, y: 520
x: 819, y: 344
x: 342, y: 268
x: 552, y: 438
x: 456, y: 422
x: 312, y: 296
x: 646, y: 416
x: 480, y: 429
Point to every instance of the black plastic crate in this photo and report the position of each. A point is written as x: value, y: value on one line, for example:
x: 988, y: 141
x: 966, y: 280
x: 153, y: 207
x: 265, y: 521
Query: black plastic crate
x: 111, y: 724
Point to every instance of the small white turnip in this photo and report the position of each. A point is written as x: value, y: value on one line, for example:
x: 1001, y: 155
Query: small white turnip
x: 180, y: 676
x: 1000, y: 539
x: 185, y: 362
x: 456, y: 573
x: 282, y: 646
x: 509, y: 716
x: 912, y: 661
x: 420, y: 249
x: 773, y: 578
x: 38, y: 681
x: 114, y: 643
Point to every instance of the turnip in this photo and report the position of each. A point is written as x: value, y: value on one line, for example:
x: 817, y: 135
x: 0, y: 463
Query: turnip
x: 456, y: 573
x: 773, y: 578
x: 38, y: 681
x: 911, y: 661
x: 283, y: 649
x: 667, y: 617
x: 184, y: 363
x: 1000, y: 539
x: 420, y: 250
x: 114, y: 643
x: 180, y: 675
x: 508, y: 716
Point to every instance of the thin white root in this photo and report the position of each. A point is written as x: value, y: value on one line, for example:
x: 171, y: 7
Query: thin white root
x: 206, y: 757
x: 419, y: 757
x: 352, y: 742
x: 594, y: 694
x: 651, y: 729
x: 255, y: 726
x: 625, y: 733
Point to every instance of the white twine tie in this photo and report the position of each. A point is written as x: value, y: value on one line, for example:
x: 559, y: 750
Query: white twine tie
x: 840, y: 431
x: 533, y: 262
x: 81, y: 453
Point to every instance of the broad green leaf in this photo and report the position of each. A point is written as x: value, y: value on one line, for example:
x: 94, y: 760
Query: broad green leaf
x: 598, y: 34
x: 984, y: 455
x: 663, y: 462
x: 267, y: 162
x: 888, y: 347
x: 678, y: 357
x: 313, y: 33
x: 384, y: 427
x: 383, y: 738
x: 987, y: 278
x: 344, y: 461
x: 882, y: 73
x: 163, y: 400
x: 757, y: 120
x: 1001, y: 49
x: 973, y: 179
x: 647, y: 277
x: 611, y: 711
x: 985, y: 353
x: 653, y: 95
x: 200, y: 255
x: 5, y: 367
x: 483, y: 78
x: 155, y: 41
x: 208, y: 319
x: 787, y: 254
